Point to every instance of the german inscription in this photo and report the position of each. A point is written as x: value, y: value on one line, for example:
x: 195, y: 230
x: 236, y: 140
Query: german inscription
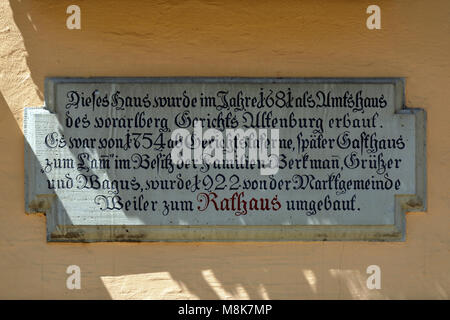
x: 159, y: 159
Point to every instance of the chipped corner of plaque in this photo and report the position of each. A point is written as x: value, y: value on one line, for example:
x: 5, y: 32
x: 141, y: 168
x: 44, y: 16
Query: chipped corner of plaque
x: 40, y: 204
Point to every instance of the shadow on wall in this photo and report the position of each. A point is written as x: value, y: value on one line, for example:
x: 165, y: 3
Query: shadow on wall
x: 144, y: 270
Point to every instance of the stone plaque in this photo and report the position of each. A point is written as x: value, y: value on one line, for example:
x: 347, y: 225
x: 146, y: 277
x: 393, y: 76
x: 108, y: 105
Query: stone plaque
x: 320, y: 159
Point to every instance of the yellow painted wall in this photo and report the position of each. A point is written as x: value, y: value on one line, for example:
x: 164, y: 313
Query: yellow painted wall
x: 308, y: 38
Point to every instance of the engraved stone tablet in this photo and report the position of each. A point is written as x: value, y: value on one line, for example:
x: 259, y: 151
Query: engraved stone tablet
x: 349, y: 160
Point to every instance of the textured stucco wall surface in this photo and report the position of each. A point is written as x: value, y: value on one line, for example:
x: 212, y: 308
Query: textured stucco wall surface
x: 224, y: 38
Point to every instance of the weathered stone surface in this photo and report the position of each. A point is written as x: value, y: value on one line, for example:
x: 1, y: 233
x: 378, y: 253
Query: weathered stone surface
x: 96, y: 160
